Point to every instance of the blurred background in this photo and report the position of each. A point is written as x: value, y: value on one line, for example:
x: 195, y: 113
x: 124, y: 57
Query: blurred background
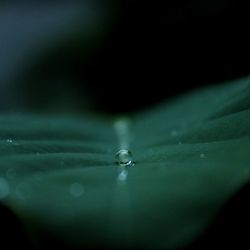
x: 116, y: 56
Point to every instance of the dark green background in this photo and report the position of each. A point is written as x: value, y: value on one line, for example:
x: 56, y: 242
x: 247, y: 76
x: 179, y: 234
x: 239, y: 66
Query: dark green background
x: 93, y: 54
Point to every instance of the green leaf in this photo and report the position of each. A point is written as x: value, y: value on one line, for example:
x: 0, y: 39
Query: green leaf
x: 59, y: 176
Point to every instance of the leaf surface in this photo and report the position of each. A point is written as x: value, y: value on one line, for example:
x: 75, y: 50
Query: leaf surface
x: 59, y: 176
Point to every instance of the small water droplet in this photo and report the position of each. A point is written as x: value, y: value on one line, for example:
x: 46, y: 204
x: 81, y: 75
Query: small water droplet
x: 23, y: 190
x: 124, y: 158
x: 173, y: 133
x: 9, y: 140
x: 4, y: 188
x: 76, y: 189
x: 202, y: 155
x: 37, y: 153
x: 179, y: 142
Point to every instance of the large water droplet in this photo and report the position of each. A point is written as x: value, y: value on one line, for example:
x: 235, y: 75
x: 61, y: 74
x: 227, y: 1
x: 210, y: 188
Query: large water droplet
x: 4, y: 188
x: 124, y: 158
x: 76, y: 189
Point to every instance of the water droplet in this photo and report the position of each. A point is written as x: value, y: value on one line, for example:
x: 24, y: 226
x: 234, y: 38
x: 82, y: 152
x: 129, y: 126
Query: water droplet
x: 23, y: 190
x: 123, y: 175
x: 76, y: 189
x: 174, y: 133
x: 37, y: 153
x: 4, y: 188
x: 202, y: 155
x: 179, y: 142
x: 124, y: 158
x: 9, y: 140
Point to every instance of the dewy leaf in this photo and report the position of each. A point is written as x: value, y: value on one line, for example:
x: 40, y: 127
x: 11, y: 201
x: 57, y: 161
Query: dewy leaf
x: 191, y: 155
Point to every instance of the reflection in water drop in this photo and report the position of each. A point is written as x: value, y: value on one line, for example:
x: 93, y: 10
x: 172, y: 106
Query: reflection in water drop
x: 124, y: 158
x: 123, y: 175
x: 23, y: 190
x: 9, y: 140
x: 76, y: 189
x: 202, y: 155
x: 4, y: 188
